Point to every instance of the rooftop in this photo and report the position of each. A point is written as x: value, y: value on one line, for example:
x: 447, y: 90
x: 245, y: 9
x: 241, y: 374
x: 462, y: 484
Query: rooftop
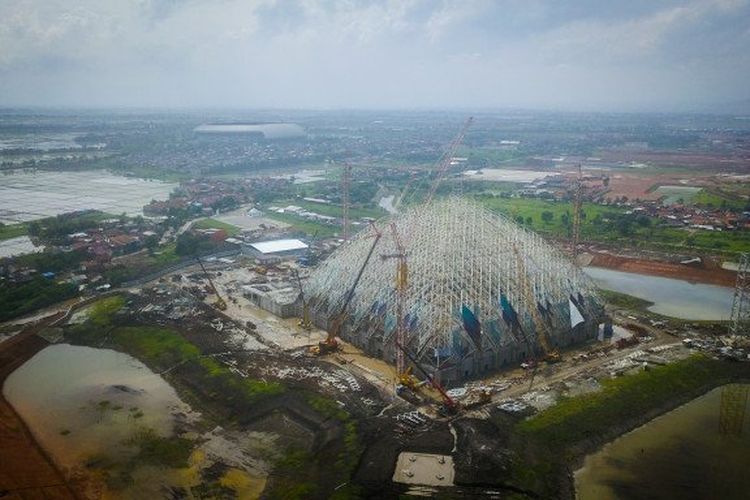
x: 274, y: 246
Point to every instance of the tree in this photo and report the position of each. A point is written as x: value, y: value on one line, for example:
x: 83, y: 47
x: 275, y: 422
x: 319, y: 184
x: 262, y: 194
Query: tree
x: 529, y: 221
x: 547, y: 216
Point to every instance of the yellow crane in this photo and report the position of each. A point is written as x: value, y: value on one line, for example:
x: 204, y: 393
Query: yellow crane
x: 404, y: 374
x: 220, y: 303
x: 305, y: 323
x: 550, y: 354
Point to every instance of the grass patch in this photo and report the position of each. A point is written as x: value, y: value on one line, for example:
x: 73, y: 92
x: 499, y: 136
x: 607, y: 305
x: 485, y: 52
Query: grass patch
x: 101, y: 312
x: 308, y: 227
x: 625, y: 301
x: 157, y: 345
x: 209, y: 223
x: 8, y: 231
x: 590, y: 416
x: 163, y: 451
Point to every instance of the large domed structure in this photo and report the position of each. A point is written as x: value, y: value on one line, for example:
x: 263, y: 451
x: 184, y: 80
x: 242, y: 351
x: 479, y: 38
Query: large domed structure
x: 479, y: 289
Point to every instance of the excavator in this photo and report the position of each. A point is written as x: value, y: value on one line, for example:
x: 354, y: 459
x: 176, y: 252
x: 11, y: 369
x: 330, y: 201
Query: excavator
x: 219, y: 303
x: 330, y: 344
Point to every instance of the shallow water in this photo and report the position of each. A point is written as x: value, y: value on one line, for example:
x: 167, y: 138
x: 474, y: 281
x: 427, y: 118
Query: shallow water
x: 81, y: 402
x: 671, y: 297
x: 684, y: 454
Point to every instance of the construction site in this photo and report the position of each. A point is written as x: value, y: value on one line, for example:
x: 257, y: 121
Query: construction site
x: 456, y: 289
x: 443, y: 350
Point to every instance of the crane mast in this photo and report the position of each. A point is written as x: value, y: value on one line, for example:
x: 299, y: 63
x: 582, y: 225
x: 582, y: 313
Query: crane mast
x: 402, y: 283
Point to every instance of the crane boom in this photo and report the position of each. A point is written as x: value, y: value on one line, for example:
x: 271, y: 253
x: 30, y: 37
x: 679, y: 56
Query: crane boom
x: 445, y: 160
x: 449, y: 402
x: 577, y: 213
x: 220, y: 302
x: 330, y: 344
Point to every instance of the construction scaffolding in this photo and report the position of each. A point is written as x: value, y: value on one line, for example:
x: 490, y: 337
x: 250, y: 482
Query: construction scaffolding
x: 467, y: 308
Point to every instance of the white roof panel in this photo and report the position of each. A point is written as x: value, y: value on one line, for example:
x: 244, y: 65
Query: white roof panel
x: 278, y: 245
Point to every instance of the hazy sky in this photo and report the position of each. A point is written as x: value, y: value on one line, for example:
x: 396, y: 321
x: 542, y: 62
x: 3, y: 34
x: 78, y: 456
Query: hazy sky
x: 587, y: 54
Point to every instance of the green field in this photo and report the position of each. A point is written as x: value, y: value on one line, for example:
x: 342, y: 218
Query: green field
x: 332, y: 210
x: 308, y: 227
x: 217, y: 224
x: 599, y: 224
x: 8, y: 231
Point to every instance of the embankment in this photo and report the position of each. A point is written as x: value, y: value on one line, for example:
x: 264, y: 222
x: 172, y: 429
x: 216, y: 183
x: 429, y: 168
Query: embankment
x: 706, y: 272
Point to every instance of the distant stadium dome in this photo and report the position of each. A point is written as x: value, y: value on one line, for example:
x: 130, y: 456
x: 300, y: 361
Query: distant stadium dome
x: 269, y: 131
x: 471, y: 273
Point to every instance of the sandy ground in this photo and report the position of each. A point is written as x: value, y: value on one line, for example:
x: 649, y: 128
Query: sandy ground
x: 710, y: 274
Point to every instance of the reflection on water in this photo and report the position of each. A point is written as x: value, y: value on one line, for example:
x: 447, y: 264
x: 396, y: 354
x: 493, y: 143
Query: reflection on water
x: 671, y: 297
x: 700, y: 450
x: 81, y: 402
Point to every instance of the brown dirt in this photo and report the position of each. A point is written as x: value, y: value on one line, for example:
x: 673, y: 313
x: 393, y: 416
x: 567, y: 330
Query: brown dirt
x: 25, y: 470
x: 706, y: 273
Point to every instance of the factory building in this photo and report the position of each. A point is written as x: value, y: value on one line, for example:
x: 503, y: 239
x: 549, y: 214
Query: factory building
x: 269, y: 252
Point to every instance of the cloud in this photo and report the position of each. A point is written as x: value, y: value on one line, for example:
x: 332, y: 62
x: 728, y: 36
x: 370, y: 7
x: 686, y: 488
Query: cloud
x: 369, y: 53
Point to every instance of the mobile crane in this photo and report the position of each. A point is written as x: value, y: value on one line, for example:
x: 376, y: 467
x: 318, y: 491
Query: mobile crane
x: 330, y: 344
x: 450, y: 404
x: 220, y: 303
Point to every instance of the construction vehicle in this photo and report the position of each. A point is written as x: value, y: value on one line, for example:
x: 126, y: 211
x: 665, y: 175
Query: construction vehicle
x: 330, y: 344
x: 219, y: 303
x: 304, y: 322
x: 551, y: 355
x: 449, y: 404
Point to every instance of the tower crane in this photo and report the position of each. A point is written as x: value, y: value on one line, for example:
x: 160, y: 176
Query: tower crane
x: 402, y: 283
x: 330, y: 344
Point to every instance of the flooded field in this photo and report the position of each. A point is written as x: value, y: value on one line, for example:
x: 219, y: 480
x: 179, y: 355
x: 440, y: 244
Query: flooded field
x: 26, y: 196
x: 671, y: 297
x: 82, y: 402
x: 18, y: 246
x: 694, y: 452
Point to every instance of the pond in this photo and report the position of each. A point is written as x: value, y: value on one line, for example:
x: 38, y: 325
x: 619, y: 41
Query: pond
x: 671, y: 297
x: 81, y: 402
x: 699, y: 450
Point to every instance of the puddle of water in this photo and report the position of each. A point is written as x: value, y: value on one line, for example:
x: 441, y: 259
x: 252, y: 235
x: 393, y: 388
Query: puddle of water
x: 671, y: 297
x: 693, y: 452
x: 81, y: 402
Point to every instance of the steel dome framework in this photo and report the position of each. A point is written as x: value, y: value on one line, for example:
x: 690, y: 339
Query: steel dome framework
x: 459, y: 254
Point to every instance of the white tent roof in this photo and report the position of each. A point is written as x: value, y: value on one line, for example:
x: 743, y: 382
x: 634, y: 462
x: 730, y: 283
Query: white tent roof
x: 278, y: 245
